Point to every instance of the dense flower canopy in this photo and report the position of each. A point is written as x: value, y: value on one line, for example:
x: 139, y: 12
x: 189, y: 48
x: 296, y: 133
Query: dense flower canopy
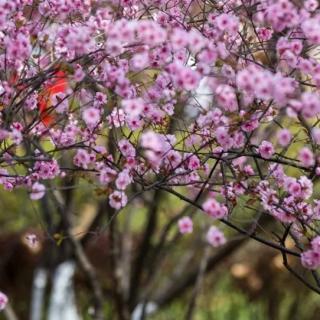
x: 216, y: 102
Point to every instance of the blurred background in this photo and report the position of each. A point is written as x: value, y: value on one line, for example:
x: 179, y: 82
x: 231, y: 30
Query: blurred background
x: 142, y: 266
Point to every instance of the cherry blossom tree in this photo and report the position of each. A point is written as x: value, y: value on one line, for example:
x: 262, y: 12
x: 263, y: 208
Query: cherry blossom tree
x: 215, y: 103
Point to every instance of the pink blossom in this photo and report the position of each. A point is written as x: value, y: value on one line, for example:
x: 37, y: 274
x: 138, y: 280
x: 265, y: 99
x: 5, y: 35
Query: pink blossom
x: 248, y: 170
x: 173, y: 159
x: 185, y: 225
x: 223, y: 138
x: 265, y: 34
x: 179, y: 38
x: 133, y: 107
x: 99, y: 99
x: 140, y: 61
x: 306, y: 157
x: 295, y: 189
x: 311, y: 5
x: 118, y: 200
x: 316, y: 209
x: 276, y: 171
x: 91, y: 116
x: 310, y: 259
x: 18, y: 46
x: 47, y: 169
x: 123, y: 180
x: 38, y: 190
x: 316, y: 135
x: 226, y: 98
x: 250, y: 125
x: 306, y: 187
x: 134, y: 123
x: 126, y: 148
x: 193, y: 163
x: 311, y: 104
x: 284, y: 137
x: 31, y: 101
x: 196, y: 40
x: 3, y: 300
x: 282, y: 14
x: 83, y: 158
x: 315, y: 244
x: 78, y: 74
x: 214, y: 209
x: 245, y: 81
x: 310, y: 27
x: 266, y: 149
x: 215, y: 237
x: 152, y: 140
x: 227, y: 22
x: 16, y: 136
x: 107, y: 175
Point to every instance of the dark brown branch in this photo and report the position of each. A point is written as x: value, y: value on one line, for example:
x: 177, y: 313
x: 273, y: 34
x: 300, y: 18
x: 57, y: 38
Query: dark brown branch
x: 239, y: 229
x: 144, y: 248
x: 297, y: 275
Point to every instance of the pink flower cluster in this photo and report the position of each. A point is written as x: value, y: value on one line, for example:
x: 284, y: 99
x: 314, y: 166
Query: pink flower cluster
x: 311, y: 258
x: 215, y: 237
x: 214, y: 209
x: 220, y: 102
x: 185, y: 225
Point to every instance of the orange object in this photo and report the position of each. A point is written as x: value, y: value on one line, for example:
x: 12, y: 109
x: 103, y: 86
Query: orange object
x: 58, y: 85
